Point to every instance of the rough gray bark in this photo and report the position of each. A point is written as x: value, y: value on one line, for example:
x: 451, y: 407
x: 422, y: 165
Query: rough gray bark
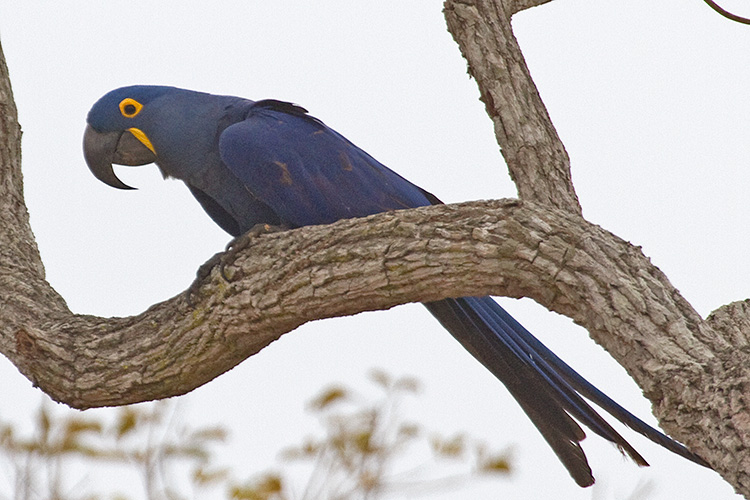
x: 535, y: 155
x: 694, y: 371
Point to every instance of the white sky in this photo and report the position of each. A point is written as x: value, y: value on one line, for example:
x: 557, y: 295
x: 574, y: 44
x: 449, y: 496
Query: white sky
x: 650, y: 99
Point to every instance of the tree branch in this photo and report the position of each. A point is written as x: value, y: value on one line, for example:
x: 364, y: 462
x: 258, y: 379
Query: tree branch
x: 726, y: 13
x: 519, y: 5
x: 536, y: 157
x: 506, y: 247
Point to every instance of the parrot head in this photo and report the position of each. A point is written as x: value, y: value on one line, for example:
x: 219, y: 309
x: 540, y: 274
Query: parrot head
x: 118, y: 131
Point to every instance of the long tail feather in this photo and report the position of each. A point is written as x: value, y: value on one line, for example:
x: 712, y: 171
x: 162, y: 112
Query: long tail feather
x: 574, y: 380
x: 557, y: 427
x: 549, y: 391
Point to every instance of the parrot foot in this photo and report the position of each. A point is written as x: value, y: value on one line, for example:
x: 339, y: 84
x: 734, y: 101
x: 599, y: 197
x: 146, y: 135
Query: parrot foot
x: 243, y: 241
x: 220, y: 259
x: 203, y: 272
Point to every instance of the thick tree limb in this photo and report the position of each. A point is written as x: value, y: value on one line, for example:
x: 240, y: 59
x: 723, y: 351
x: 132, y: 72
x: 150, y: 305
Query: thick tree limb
x: 536, y: 157
x: 694, y: 371
x: 519, y: 5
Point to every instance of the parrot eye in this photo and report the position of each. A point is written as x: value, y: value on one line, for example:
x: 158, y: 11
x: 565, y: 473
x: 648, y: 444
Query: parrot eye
x: 130, y: 107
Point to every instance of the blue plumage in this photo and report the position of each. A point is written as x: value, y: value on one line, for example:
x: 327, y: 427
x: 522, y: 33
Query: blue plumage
x: 269, y: 162
x: 308, y: 173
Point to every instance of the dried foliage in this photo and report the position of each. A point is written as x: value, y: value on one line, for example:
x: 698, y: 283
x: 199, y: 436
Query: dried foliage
x: 366, y: 450
x: 59, y: 459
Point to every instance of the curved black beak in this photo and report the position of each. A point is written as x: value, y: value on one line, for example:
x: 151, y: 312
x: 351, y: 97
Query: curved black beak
x: 102, y: 149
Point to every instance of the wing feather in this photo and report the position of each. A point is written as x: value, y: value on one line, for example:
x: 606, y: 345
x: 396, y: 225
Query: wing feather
x: 308, y: 173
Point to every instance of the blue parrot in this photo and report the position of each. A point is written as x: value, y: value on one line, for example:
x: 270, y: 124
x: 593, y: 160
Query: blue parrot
x: 269, y: 162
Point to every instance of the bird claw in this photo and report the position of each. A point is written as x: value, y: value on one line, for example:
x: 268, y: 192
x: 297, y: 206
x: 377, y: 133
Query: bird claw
x: 203, y: 272
x: 230, y: 251
x: 243, y: 241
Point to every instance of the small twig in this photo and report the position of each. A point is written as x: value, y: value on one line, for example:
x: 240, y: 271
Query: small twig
x: 727, y: 14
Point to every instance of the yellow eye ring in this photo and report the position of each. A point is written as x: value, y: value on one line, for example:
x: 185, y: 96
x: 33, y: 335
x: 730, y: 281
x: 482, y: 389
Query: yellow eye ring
x: 130, y: 107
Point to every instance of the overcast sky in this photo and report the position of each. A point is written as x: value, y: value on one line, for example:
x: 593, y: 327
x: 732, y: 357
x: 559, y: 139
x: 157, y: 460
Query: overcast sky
x: 650, y: 99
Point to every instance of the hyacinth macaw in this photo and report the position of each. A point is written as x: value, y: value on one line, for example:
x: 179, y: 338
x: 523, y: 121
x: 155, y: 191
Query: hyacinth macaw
x: 269, y: 162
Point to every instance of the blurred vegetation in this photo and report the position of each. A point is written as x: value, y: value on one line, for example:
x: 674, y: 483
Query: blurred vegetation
x: 366, y: 449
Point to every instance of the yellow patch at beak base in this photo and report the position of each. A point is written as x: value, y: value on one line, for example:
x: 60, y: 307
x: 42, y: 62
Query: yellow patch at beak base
x: 141, y: 136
